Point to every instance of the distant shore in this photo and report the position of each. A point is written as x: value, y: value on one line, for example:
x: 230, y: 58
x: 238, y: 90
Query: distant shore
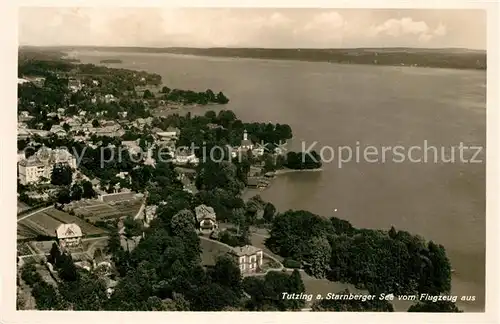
x: 448, y: 58
x: 109, y: 61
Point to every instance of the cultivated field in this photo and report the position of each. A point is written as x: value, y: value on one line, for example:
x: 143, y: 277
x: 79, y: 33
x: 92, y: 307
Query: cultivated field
x: 98, y: 211
x: 26, y: 231
x: 46, y: 223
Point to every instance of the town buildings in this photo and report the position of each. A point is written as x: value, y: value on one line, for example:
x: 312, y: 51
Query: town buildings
x: 206, y: 218
x: 150, y: 214
x: 40, y: 165
x: 185, y: 157
x: 247, y: 145
x: 249, y: 258
x: 170, y: 134
x: 69, y: 236
x: 74, y: 85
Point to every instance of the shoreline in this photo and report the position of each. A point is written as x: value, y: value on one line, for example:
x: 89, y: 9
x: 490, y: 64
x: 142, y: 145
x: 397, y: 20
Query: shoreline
x: 286, y: 171
x: 199, y: 53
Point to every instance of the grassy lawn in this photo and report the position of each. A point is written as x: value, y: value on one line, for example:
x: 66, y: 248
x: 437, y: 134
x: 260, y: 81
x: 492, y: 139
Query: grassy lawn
x: 95, y: 211
x: 210, y: 251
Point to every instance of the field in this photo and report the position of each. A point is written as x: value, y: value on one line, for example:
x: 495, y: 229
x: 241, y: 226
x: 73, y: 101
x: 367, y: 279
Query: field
x: 99, y: 211
x: 210, y: 251
x: 26, y: 231
x: 46, y: 223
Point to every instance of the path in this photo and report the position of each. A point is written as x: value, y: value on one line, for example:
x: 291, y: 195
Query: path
x: 33, y: 213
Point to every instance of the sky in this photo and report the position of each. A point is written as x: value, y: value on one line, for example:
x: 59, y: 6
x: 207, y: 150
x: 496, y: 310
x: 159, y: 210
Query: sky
x: 252, y: 27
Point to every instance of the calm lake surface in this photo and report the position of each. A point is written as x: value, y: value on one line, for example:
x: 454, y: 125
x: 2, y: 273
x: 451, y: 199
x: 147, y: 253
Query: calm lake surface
x: 361, y: 105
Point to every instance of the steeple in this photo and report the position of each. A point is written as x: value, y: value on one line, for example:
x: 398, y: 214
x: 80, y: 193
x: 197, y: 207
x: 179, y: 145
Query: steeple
x: 245, y: 135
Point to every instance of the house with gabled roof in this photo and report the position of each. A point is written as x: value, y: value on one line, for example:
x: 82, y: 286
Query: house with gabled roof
x: 69, y: 235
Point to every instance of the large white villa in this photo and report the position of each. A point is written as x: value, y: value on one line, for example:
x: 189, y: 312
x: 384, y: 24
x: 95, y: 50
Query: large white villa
x: 40, y: 165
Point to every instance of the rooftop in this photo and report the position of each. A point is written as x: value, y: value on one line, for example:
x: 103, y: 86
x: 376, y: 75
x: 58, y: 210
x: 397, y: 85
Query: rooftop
x: 245, y: 250
x: 204, y: 211
x: 68, y: 231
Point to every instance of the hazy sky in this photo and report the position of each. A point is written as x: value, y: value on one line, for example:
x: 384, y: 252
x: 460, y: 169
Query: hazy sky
x: 327, y: 28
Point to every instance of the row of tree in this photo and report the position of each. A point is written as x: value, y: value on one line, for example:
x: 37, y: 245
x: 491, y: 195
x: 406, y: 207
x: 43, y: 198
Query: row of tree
x: 379, y: 261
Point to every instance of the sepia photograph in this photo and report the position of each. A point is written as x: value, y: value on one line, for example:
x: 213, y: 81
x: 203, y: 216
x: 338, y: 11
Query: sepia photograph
x: 251, y: 159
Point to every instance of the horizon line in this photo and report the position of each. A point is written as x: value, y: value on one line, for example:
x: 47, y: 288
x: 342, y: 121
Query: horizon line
x: 238, y: 47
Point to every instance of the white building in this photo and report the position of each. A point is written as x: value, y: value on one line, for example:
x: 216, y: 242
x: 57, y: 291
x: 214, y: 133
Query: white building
x: 185, y: 157
x: 74, y: 85
x: 170, y: 133
x: 247, y: 145
x: 69, y: 235
x: 58, y: 130
x: 25, y: 114
x: 248, y: 257
x: 122, y: 175
x: 132, y: 147
x: 40, y: 165
x: 109, y: 98
x: 258, y: 151
x: 150, y: 213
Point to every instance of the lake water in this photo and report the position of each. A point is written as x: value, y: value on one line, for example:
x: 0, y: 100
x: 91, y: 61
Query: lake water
x: 360, y: 105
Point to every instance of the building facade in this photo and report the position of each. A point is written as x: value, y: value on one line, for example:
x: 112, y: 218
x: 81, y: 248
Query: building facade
x: 69, y: 235
x: 40, y: 165
x: 249, y: 258
x: 206, y: 218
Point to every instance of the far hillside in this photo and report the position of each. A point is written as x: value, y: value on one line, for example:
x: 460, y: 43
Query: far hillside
x: 453, y: 58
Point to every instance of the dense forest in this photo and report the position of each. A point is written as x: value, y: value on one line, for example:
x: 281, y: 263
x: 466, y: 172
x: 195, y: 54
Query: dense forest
x: 376, y: 260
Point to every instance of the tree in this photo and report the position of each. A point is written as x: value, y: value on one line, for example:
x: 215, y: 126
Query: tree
x: 66, y: 127
x: 269, y: 212
x: 133, y: 227
x: 296, y: 286
x: 55, y: 253
x: 95, y: 123
x: 88, y: 190
x: 62, y: 175
x: 86, y: 293
x: 292, y: 232
x: 76, y: 192
x: 221, y: 98
x: 64, y: 196
x: 66, y: 268
x: 211, y: 115
x: 165, y: 90
x: 392, y: 232
x: 227, y: 273
x: 267, y: 294
x: 182, y: 222
x: 318, y: 258
x: 114, y: 244
x: 47, y: 297
x: 148, y: 94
